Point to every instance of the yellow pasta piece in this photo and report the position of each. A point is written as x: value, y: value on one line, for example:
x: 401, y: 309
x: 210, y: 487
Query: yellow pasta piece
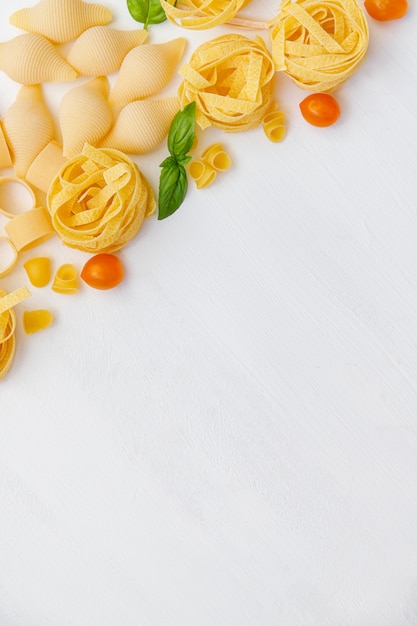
x: 11, y: 260
x: 30, y: 229
x: 38, y: 270
x: 66, y: 279
x: 216, y: 157
x: 202, y: 173
x: 45, y: 167
x: 146, y: 70
x: 31, y: 59
x: 5, y: 157
x: 319, y: 44
x: 98, y: 200
x: 85, y: 115
x: 34, y: 321
x: 100, y: 50
x: 61, y: 20
x: 8, y: 325
x: 28, y: 127
x: 274, y: 126
x: 15, y: 191
x: 202, y: 14
x: 231, y: 79
x: 142, y: 125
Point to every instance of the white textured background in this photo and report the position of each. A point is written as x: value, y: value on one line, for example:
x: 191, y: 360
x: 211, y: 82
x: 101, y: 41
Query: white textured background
x: 229, y: 438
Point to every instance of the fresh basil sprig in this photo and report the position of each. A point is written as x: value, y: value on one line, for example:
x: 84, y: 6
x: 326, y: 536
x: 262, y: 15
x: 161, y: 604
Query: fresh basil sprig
x: 146, y: 11
x: 173, y: 183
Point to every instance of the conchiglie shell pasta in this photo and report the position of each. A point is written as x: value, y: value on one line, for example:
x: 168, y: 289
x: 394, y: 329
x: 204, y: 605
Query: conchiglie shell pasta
x: 30, y: 59
x: 142, y: 125
x: 61, y: 20
x: 100, y: 50
x: 28, y: 127
x: 146, y: 70
x: 84, y: 115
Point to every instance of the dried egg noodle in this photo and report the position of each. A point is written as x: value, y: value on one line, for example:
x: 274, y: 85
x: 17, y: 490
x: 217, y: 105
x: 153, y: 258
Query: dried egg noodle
x: 99, y: 200
x: 319, y: 44
x: 8, y: 325
x: 231, y: 79
x: 202, y: 14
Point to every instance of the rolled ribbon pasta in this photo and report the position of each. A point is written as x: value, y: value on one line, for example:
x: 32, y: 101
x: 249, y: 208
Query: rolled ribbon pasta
x: 98, y: 200
x: 202, y: 14
x: 274, y: 126
x: 319, y: 44
x: 202, y: 173
x: 231, y: 79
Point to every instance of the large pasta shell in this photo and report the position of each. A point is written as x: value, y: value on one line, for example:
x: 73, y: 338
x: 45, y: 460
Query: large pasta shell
x: 84, y: 115
x: 28, y: 127
x: 31, y: 59
x: 142, y: 125
x: 146, y: 70
x: 100, y: 50
x: 61, y: 20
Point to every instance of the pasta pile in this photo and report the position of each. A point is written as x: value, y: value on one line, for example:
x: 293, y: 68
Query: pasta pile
x: 202, y: 14
x: 231, y: 79
x: 8, y: 326
x: 99, y: 200
x: 319, y: 44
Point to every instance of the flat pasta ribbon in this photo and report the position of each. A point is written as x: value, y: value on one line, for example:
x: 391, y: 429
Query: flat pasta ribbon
x: 8, y: 326
x: 202, y: 14
x: 231, y: 79
x: 319, y: 44
x: 98, y: 200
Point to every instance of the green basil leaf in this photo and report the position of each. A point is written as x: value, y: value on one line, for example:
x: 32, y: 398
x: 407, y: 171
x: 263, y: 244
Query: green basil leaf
x: 173, y: 186
x: 146, y: 11
x: 181, y: 132
x: 169, y: 161
x: 183, y: 160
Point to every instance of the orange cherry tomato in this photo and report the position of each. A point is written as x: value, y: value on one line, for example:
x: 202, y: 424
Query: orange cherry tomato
x: 384, y: 10
x: 103, y: 271
x: 320, y: 109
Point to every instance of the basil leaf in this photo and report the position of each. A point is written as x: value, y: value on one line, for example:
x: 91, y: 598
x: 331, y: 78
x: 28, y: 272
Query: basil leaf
x: 146, y: 11
x: 181, y: 132
x: 173, y: 186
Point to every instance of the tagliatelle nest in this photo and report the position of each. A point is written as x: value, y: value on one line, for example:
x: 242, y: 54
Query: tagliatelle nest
x: 98, y: 200
x: 231, y: 79
x: 202, y: 14
x: 319, y: 44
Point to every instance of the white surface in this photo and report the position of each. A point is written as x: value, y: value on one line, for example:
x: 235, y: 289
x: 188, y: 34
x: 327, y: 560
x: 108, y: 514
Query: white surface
x: 229, y: 438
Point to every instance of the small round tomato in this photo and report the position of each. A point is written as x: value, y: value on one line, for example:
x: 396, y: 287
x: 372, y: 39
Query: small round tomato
x: 320, y: 109
x: 384, y: 10
x: 103, y: 271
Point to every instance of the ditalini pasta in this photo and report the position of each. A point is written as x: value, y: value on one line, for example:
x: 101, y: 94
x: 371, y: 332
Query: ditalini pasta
x: 98, y: 200
x: 142, y: 125
x: 231, y: 79
x: 66, y: 279
x: 146, y: 70
x: 60, y: 20
x: 28, y: 127
x: 31, y: 59
x: 84, y: 115
x: 319, y: 44
x: 100, y: 50
x: 202, y: 14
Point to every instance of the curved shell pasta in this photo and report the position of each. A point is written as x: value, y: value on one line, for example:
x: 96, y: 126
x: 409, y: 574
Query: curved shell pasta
x: 30, y: 59
x: 84, y: 115
x: 28, y: 127
x: 100, y: 50
x: 61, y: 20
x: 142, y: 125
x: 146, y: 70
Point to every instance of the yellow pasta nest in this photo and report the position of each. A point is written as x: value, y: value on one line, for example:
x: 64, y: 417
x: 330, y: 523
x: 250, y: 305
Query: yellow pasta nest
x: 319, y: 44
x: 231, y: 79
x: 8, y: 326
x: 202, y: 14
x: 98, y: 200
